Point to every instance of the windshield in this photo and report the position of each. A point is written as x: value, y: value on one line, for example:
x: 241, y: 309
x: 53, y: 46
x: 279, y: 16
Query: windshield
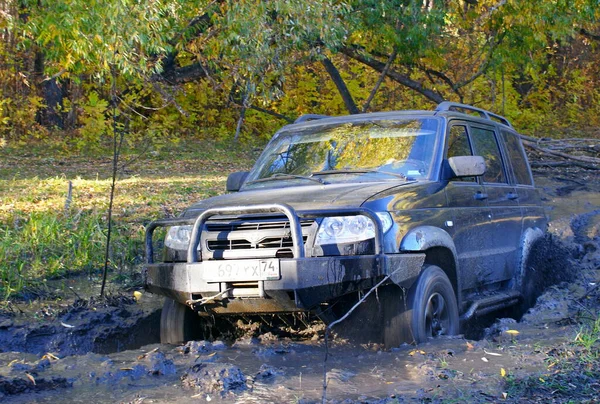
x: 373, y: 150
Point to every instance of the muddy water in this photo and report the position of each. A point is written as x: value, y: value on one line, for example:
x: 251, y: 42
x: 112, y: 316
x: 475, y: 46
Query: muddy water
x: 287, y: 372
x: 98, y: 351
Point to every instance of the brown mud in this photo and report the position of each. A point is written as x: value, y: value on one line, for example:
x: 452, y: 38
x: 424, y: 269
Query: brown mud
x: 107, y: 350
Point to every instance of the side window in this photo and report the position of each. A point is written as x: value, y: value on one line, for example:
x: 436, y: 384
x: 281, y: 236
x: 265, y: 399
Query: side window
x: 517, y: 157
x: 458, y: 145
x: 485, y: 145
x: 458, y: 142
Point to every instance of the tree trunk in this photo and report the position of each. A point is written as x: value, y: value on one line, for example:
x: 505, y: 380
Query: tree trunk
x: 341, y: 85
x: 52, y: 94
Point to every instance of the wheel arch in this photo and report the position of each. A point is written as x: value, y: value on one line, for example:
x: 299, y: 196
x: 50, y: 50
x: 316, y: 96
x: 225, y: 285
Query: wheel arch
x: 439, y: 250
x: 528, y: 239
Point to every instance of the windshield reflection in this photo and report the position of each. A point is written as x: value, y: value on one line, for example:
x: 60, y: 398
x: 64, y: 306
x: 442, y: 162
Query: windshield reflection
x: 362, y: 151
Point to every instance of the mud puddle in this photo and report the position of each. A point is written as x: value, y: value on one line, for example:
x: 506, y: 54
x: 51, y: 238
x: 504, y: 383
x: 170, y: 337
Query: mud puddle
x: 106, y: 351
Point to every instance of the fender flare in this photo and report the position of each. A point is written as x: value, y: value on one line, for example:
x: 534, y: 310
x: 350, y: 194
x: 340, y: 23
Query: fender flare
x: 423, y: 238
x: 530, y: 236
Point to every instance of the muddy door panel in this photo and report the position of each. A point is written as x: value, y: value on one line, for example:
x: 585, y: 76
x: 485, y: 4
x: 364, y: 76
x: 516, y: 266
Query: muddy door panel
x: 506, y: 225
x: 470, y: 230
x: 531, y: 209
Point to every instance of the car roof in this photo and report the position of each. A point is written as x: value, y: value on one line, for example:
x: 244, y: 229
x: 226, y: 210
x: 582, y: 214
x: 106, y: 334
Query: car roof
x: 445, y: 109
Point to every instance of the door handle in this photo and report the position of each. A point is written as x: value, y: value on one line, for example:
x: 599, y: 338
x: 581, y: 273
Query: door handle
x: 480, y: 196
x: 512, y: 196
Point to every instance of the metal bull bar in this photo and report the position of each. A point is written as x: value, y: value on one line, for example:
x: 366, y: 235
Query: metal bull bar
x: 194, y: 253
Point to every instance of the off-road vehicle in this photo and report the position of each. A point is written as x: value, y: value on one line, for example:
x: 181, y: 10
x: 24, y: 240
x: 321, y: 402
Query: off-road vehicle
x: 441, y: 205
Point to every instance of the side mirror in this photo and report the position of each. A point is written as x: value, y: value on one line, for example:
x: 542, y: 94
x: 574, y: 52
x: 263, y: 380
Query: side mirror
x: 235, y: 180
x: 465, y: 166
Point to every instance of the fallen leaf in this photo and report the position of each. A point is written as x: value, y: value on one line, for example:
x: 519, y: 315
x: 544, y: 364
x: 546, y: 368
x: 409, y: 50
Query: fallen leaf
x: 504, y: 395
x: 469, y: 345
x: 142, y: 356
x: 415, y: 351
x: 30, y: 378
x: 51, y: 356
x: 126, y: 369
x: 67, y: 325
x: 137, y: 296
x: 492, y: 353
x: 542, y: 380
x: 512, y: 332
x: 502, y: 372
x: 484, y: 359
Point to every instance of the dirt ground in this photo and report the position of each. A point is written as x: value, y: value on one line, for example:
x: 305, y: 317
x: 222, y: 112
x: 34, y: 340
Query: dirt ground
x: 73, y: 350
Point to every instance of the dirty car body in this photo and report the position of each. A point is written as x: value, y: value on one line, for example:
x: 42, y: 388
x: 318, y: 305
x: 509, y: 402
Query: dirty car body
x: 436, y: 200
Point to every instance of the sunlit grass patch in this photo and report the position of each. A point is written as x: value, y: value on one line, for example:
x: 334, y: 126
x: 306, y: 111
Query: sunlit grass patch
x: 42, y: 235
x: 573, y: 372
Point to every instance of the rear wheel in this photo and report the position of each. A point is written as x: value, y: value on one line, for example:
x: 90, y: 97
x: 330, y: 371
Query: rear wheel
x: 430, y: 310
x: 178, y: 323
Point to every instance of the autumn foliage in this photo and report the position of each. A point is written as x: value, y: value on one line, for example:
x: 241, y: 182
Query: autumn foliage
x: 228, y: 69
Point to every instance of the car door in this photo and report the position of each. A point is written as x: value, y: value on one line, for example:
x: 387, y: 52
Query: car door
x: 470, y: 213
x: 502, y: 198
x: 527, y: 196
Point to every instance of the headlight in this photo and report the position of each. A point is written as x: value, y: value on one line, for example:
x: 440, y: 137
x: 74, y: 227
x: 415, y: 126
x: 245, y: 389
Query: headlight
x: 350, y: 229
x: 178, y: 237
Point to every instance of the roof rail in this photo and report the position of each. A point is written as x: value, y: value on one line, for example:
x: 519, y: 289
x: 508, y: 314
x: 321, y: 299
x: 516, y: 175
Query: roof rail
x: 310, y: 117
x: 455, y: 106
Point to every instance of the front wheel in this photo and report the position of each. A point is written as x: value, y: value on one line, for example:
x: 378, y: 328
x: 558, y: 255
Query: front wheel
x: 178, y: 323
x: 430, y: 310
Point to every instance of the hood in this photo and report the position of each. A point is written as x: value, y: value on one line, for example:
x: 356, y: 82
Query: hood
x: 306, y: 197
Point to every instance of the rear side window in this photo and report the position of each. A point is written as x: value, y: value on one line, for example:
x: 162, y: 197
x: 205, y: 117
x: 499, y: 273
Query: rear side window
x: 517, y: 157
x: 485, y: 145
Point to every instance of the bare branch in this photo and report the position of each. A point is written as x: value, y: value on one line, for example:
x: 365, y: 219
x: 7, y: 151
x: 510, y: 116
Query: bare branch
x: 380, y: 81
x: 169, y: 98
x: 394, y: 75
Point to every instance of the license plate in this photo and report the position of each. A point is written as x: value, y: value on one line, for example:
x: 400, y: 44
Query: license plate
x: 241, y: 270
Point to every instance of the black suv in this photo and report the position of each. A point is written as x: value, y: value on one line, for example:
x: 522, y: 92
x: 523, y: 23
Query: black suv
x: 438, y: 208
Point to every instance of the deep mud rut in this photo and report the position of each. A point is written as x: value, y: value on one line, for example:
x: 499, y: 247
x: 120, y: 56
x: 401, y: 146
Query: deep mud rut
x: 92, y: 350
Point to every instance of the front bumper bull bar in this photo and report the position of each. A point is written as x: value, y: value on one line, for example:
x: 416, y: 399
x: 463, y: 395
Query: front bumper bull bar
x: 304, y: 282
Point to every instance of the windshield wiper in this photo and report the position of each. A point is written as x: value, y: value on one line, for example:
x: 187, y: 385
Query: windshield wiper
x: 360, y: 171
x: 282, y: 176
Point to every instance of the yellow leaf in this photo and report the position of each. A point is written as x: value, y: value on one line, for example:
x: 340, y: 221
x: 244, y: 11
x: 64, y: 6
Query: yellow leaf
x: 512, y: 332
x: 542, y: 380
x: 502, y: 372
x: 137, y: 296
x: 416, y: 351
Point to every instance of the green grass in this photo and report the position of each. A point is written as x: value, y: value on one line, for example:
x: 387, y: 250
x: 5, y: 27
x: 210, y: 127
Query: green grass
x: 573, y: 372
x: 39, y: 239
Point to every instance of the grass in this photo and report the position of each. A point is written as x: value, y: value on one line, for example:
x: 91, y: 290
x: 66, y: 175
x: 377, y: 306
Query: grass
x: 40, y: 238
x: 573, y: 372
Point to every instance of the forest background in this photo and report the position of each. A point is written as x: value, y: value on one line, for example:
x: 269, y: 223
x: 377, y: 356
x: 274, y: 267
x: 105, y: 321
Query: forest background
x: 184, y: 91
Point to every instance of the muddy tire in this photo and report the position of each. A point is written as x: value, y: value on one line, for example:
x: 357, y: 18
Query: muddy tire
x: 178, y: 323
x: 430, y: 310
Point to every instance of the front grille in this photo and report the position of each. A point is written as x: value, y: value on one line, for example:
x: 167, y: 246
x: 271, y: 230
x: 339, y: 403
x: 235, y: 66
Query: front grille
x: 235, y: 236
x: 269, y: 242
